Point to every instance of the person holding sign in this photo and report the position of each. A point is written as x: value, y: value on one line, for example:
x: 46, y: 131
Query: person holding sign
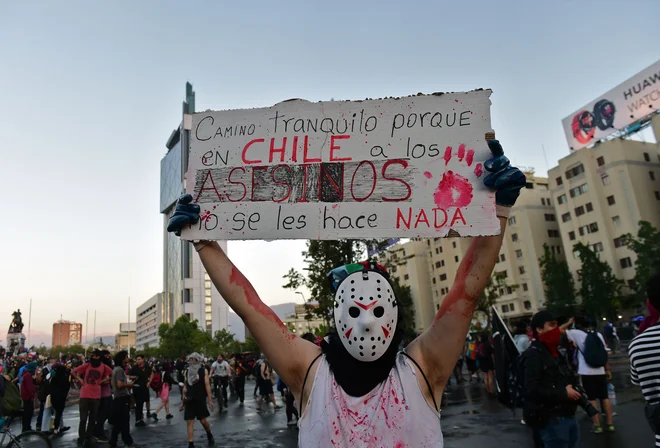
x: 357, y: 389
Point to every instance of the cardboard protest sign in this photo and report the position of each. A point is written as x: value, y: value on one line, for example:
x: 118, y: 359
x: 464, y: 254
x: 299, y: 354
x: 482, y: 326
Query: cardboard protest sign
x: 397, y: 167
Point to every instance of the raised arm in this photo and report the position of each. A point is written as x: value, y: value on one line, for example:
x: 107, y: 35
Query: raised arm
x: 438, y: 348
x: 288, y: 353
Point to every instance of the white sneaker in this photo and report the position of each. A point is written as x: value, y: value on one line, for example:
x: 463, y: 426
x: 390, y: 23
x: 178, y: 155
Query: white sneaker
x: 292, y: 422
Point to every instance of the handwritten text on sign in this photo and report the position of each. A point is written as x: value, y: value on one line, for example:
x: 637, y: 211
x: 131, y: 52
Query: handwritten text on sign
x: 401, y: 167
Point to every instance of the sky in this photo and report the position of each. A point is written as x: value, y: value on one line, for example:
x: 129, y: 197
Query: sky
x: 92, y: 90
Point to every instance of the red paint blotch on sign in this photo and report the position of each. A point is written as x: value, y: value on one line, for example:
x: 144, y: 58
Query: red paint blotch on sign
x: 453, y: 190
x: 428, y: 174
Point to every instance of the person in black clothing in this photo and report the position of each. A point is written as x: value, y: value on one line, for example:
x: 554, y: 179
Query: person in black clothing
x: 242, y: 371
x: 59, y: 389
x: 550, y: 399
x: 196, y: 390
x: 43, y: 390
x: 141, y: 375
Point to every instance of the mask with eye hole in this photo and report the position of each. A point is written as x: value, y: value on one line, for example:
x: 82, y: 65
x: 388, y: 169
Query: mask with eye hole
x: 367, y: 318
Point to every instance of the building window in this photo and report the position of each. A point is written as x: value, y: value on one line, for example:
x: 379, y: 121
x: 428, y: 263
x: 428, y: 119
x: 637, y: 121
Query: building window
x: 521, y: 269
x: 559, y: 180
x: 605, y: 179
x: 610, y: 200
x: 651, y: 175
x: 616, y: 221
x: 647, y: 157
x: 393, y: 269
x: 547, y: 201
x: 542, y: 201
x: 528, y: 305
x: 514, y: 237
x: 456, y: 258
x: 437, y: 251
x: 577, y: 191
x: 511, y: 306
x: 406, y: 277
x: 625, y: 263
x: 518, y: 253
x: 632, y: 284
x: 593, y: 227
x: 553, y: 233
x: 443, y: 277
x: 550, y: 217
x: 657, y: 195
x: 502, y: 258
x: 437, y: 264
x: 566, y: 217
x: 556, y: 249
x: 434, y: 280
x: 505, y: 308
x: 579, y: 211
x: 575, y: 171
x: 598, y: 247
x: 503, y: 274
x: 589, y: 207
x: 618, y: 242
x: 600, y: 161
x: 561, y: 199
x: 187, y: 295
x: 512, y: 220
x: 524, y: 286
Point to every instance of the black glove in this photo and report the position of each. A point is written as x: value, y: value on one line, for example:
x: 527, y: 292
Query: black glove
x: 185, y: 214
x: 507, y: 181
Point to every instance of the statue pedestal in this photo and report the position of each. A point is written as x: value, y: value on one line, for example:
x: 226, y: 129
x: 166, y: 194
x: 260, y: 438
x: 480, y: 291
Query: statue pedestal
x: 15, y: 342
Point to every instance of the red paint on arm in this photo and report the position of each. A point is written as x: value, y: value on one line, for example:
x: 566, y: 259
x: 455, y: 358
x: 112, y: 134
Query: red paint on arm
x: 457, y: 293
x: 237, y: 278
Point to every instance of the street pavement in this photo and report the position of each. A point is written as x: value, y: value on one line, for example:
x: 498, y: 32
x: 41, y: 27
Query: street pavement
x: 469, y: 419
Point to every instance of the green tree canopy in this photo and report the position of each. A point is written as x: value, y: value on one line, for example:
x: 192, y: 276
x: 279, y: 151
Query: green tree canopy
x: 600, y: 289
x: 647, y: 247
x: 320, y: 258
x: 182, y: 338
x: 559, y: 284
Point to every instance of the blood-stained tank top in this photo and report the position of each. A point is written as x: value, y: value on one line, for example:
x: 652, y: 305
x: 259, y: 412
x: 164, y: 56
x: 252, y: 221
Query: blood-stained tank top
x: 393, y: 415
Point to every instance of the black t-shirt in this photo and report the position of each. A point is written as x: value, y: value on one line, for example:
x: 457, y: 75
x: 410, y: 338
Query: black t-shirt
x: 198, y: 390
x: 142, y: 375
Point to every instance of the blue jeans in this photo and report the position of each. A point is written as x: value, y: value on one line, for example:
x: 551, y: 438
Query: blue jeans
x: 561, y: 432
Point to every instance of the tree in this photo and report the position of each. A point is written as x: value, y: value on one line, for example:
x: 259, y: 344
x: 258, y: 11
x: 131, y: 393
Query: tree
x: 321, y: 331
x: 600, y: 289
x: 559, y: 284
x: 149, y: 352
x: 223, y: 343
x: 182, y: 338
x: 496, y: 283
x: 404, y: 299
x: 250, y: 345
x: 321, y: 257
x: 647, y: 247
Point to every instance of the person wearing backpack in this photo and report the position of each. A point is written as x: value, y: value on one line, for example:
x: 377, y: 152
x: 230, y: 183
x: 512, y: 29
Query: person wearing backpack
x: 592, y: 368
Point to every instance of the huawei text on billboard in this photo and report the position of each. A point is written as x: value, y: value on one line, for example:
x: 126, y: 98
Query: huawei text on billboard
x: 627, y: 103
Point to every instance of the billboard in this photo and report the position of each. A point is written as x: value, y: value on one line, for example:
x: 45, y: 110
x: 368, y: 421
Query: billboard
x: 387, y: 168
x: 628, y: 102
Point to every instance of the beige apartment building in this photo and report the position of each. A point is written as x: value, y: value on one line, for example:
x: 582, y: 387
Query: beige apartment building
x: 409, y: 262
x: 603, y: 192
x: 429, y: 266
x: 532, y: 223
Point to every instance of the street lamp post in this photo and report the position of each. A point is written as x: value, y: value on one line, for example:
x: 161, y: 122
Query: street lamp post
x: 306, y: 310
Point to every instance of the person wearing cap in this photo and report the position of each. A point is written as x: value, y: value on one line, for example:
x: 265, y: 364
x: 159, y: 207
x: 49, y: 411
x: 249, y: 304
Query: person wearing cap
x: 550, y: 401
x: 358, y: 373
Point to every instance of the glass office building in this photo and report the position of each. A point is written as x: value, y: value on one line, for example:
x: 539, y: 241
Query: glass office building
x: 186, y: 286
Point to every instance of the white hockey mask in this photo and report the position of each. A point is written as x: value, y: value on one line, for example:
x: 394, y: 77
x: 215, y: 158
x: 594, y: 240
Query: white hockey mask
x: 365, y: 315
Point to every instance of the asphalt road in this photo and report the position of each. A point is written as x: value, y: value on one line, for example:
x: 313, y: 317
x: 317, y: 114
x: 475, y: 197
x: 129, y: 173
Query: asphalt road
x: 468, y: 420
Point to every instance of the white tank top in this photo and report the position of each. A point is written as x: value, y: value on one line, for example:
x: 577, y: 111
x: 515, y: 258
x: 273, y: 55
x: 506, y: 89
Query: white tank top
x: 393, y: 415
